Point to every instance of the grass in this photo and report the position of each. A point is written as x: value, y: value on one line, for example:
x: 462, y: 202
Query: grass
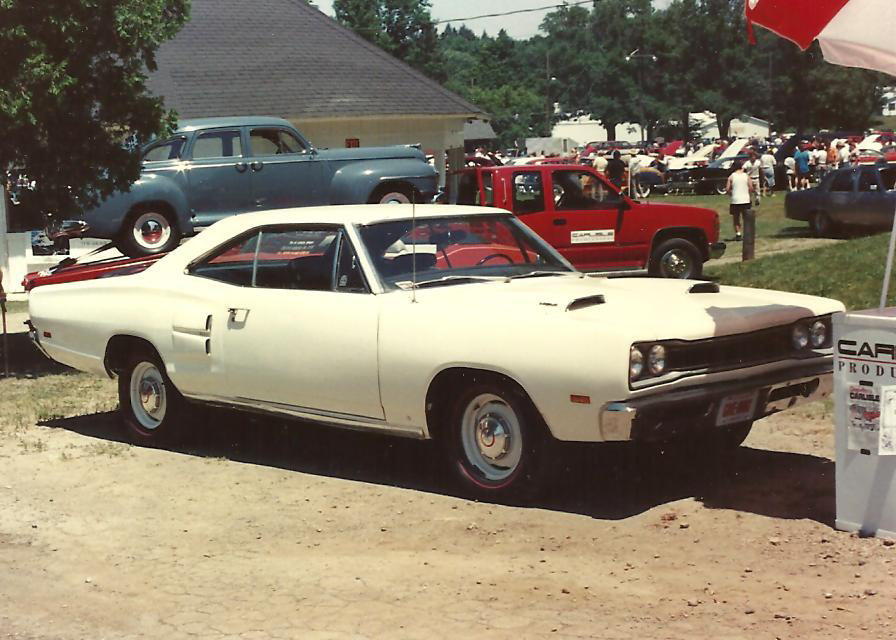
x: 16, y: 307
x: 850, y: 271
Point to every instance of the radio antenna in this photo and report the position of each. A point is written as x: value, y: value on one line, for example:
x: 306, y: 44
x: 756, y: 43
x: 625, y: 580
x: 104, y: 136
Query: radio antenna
x: 413, y: 247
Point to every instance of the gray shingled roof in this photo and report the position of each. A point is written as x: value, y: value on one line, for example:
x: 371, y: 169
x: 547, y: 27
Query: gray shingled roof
x: 286, y: 58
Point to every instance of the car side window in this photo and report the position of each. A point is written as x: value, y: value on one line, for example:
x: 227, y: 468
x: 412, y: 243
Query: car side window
x: 271, y: 142
x: 232, y: 264
x: 298, y: 258
x: 868, y: 180
x: 528, y: 192
x: 349, y: 276
x: 275, y: 258
x: 842, y: 181
x: 888, y: 178
x: 217, y: 144
x: 167, y: 150
x: 488, y: 178
x: 577, y: 190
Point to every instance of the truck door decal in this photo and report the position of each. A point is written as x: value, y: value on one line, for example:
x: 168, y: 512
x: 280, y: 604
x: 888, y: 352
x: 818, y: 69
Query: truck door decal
x: 593, y: 236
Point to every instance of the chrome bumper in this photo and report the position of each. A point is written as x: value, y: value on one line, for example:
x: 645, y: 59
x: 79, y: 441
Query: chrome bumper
x: 717, y: 249
x: 35, y: 338
x: 66, y: 229
x: 665, y: 415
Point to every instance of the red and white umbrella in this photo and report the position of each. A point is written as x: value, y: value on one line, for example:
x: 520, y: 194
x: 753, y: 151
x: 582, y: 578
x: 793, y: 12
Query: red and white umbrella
x: 853, y: 33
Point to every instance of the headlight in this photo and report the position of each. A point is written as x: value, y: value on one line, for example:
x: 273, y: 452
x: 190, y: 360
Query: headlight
x: 656, y: 359
x: 635, y: 363
x: 818, y: 334
x: 800, y: 336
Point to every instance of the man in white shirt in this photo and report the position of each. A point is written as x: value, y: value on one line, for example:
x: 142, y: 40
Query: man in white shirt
x: 767, y: 163
x: 790, y: 166
x: 753, y: 168
x: 740, y: 186
x: 844, y: 154
x: 821, y: 162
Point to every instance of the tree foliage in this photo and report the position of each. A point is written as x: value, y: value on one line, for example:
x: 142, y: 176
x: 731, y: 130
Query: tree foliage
x: 404, y: 28
x: 72, y: 89
x: 691, y: 56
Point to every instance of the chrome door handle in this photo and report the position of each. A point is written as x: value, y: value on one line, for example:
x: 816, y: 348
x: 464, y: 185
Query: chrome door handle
x: 240, y: 166
x: 238, y: 315
x: 257, y: 166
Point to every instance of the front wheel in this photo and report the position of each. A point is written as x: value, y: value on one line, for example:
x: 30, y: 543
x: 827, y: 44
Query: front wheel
x: 495, y: 442
x: 148, y: 232
x: 676, y: 258
x: 642, y: 189
x: 152, y: 409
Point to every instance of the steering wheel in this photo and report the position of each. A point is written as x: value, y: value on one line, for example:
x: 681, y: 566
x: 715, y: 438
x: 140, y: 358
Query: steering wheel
x: 491, y: 256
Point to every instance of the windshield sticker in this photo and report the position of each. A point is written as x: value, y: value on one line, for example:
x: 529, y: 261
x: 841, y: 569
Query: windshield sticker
x: 593, y: 236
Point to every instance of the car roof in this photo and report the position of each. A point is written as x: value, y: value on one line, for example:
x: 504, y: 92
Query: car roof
x: 351, y: 214
x: 233, y: 121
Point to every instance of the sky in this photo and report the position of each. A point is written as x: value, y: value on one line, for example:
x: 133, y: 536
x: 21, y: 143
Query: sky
x: 520, y: 26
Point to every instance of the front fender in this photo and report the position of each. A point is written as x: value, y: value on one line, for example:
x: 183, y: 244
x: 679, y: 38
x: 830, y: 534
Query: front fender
x: 107, y: 219
x: 355, y: 182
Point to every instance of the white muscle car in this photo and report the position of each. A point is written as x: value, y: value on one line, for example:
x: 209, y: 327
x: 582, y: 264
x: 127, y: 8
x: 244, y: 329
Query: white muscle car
x: 452, y: 323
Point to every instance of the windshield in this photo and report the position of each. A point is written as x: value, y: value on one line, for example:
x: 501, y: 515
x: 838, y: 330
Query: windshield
x: 457, y: 249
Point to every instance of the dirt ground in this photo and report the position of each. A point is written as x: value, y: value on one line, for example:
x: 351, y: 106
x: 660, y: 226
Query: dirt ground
x: 257, y: 530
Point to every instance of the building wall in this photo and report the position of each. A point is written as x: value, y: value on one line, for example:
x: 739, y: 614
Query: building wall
x: 586, y: 130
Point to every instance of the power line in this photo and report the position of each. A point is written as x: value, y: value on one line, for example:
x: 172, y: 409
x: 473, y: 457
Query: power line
x: 508, y: 13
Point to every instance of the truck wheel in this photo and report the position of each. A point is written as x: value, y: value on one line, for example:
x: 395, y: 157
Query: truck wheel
x: 147, y: 232
x: 821, y: 224
x: 151, y: 408
x: 395, y: 194
x: 676, y: 258
x: 496, y: 442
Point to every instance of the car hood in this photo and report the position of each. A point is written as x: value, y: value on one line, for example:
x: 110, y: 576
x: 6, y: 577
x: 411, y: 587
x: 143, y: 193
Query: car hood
x: 372, y: 153
x: 644, y: 308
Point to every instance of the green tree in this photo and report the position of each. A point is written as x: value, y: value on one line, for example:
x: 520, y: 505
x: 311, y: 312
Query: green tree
x: 404, y: 28
x: 72, y: 89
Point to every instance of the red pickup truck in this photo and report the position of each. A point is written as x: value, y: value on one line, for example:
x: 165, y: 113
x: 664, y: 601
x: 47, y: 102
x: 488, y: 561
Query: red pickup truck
x: 594, y: 225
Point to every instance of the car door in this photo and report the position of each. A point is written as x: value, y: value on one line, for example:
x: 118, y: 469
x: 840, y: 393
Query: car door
x: 218, y: 176
x: 840, y: 201
x: 871, y: 208
x: 587, y: 213
x: 285, y: 172
x: 524, y: 194
x: 300, y: 330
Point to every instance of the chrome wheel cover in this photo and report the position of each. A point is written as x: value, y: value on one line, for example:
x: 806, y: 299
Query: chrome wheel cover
x: 395, y: 197
x: 676, y: 263
x: 151, y: 230
x: 491, y: 437
x: 149, y: 399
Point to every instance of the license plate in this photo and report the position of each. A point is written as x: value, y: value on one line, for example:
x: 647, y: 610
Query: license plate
x: 736, y: 408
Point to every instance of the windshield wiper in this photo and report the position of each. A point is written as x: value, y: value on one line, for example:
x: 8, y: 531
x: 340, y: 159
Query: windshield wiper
x: 447, y: 280
x: 539, y: 274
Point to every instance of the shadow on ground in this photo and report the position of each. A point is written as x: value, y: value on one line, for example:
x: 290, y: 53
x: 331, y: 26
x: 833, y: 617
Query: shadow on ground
x: 609, y: 482
x: 25, y: 361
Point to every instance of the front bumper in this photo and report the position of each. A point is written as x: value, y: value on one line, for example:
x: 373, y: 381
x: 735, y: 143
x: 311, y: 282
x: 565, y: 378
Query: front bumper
x: 665, y: 416
x: 717, y: 249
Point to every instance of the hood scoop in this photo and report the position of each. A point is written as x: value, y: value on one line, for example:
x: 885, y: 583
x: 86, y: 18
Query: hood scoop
x: 587, y: 301
x: 704, y: 287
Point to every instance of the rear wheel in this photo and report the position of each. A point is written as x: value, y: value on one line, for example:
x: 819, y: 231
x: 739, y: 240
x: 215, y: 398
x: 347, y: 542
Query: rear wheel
x: 495, y: 442
x: 721, y: 188
x: 821, y: 224
x: 148, y: 232
x: 152, y: 409
x: 394, y: 194
x: 676, y: 258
